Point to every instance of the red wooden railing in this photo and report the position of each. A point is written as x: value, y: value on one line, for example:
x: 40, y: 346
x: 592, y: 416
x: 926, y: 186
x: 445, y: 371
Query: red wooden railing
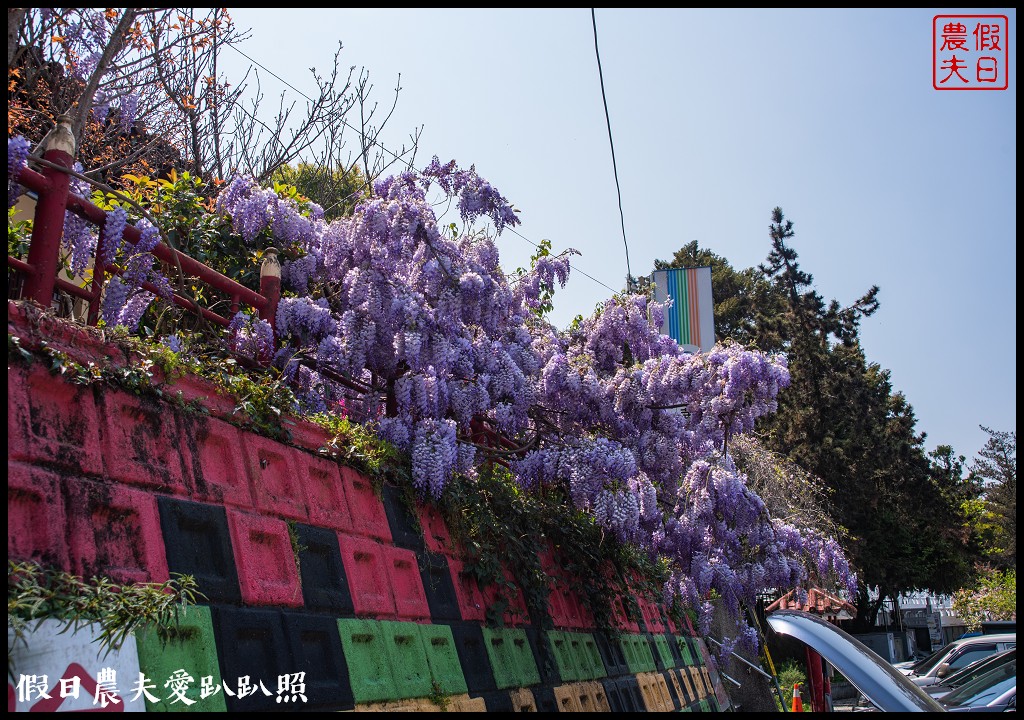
x: 40, y: 270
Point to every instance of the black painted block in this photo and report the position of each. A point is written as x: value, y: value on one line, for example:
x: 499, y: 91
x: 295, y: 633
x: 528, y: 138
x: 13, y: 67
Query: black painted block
x: 197, y: 543
x: 476, y: 665
x: 251, y: 643
x: 659, y: 664
x: 614, y: 695
x: 544, y: 657
x: 676, y: 702
x: 437, y: 584
x: 673, y: 646
x: 405, y: 531
x: 544, y: 697
x: 629, y: 691
x: 498, y: 701
x: 315, y: 647
x: 684, y: 686
x: 611, y: 654
x: 324, y: 585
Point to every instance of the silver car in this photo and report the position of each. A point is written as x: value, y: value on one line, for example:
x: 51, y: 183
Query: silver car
x: 956, y: 655
x: 995, y: 691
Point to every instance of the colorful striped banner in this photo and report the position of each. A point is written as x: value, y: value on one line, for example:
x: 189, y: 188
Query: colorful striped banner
x: 690, y: 321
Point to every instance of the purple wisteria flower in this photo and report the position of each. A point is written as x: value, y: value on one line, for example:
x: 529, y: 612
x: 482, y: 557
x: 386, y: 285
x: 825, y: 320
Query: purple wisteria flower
x: 631, y: 428
x: 18, y: 148
x: 129, y: 107
x: 251, y: 337
x: 113, y: 234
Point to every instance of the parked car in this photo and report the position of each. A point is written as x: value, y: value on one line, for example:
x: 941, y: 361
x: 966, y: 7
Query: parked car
x: 994, y: 691
x: 965, y: 675
x: 957, y: 654
x: 884, y: 687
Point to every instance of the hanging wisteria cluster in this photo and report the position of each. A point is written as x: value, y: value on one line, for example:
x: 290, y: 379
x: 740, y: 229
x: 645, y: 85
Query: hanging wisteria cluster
x: 18, y: 149
x: 632, y: 427
x: 419, y: 332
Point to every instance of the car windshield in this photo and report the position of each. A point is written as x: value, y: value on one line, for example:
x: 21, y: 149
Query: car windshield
x: 978, y: 668
x: 923, y: 666
x: 983, y: 690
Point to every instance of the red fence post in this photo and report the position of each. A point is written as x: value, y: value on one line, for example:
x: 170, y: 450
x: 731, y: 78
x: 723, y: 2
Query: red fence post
x: 48, y: 226
x: 270, y: 286
x: 815, y: 676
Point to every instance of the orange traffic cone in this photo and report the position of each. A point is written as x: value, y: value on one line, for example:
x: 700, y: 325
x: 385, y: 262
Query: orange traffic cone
x: 798, y: 703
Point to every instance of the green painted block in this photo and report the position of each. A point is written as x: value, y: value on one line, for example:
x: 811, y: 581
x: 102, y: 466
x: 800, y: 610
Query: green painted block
x: 638, y: 655
x: 640, y: 658
x: 443, y: 658
x: 684, y: 650
x: 408, y: 658
x: 664, y: 651
x: 704, y: 706
x: 568, y: 662
x: 628, y: 651
x: 511, y: 657
x: 644, y: 654
x: 698, y: 657
x: 191, y: 647
x: 592, y: 663
x: 369, y: 665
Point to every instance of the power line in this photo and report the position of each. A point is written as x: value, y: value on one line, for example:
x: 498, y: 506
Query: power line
x: 615, y: 170
x: 396, y: 157
x: 574, y: 269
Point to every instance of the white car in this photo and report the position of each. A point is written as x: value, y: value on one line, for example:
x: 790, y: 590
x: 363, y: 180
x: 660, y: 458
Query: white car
x: 957, y: 654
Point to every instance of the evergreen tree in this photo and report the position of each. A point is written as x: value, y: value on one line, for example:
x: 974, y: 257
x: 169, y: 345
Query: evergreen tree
x: 842, y: 421
x: 996, y: 469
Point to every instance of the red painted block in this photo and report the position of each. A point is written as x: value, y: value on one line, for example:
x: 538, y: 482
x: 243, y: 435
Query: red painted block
x: 367, y: 509
x: 50, y: 420
x: 222, y: 477
x: 547, y: 562
x: 577, y: 614
x: 467, y: 592
x: 306, y: 435
x: 652, y: 616
x: 325, y: 492
x: 516, y: 613
x: 114, y: 531
x: 621, y: 620
x: 672, y: 628
x: 265, y: 560
x: 367, y: 569
x: 435, y: 532
x: 556, y: 607
x: 35, y: 516
x: 406, y: 584
x: 190, y: 388
x: 273, y: 471
x: 141, y: 440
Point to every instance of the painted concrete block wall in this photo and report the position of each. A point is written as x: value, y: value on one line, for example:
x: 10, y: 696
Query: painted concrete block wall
x: 305, y: 568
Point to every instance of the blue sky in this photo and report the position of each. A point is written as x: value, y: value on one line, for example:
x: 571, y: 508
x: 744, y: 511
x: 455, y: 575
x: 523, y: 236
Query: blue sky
x: 718, y: 116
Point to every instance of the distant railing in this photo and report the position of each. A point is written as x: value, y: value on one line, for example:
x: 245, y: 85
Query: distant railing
x: 40, y: 270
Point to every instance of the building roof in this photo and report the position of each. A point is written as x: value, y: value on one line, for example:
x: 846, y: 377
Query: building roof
x: 818, y: 602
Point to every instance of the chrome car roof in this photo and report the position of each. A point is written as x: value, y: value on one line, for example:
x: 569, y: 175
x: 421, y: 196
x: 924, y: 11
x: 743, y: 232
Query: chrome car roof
x: 874, y: 677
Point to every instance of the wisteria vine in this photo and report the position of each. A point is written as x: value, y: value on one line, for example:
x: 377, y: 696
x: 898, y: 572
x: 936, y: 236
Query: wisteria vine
x: 419, y: 332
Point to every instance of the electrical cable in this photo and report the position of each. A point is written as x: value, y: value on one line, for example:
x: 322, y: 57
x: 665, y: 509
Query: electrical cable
x: 615, y: 169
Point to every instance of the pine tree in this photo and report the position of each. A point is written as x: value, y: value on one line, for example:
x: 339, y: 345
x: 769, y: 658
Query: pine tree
x: 996, y: 469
